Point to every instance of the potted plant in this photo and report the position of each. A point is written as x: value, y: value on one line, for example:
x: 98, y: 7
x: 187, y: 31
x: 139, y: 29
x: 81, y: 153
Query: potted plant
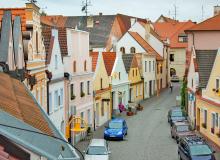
x: 82, y: 94
x: 129, y: 112
x: 139, y: 107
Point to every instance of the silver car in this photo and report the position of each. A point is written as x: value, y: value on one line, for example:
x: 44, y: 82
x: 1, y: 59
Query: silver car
x: 98, y: 149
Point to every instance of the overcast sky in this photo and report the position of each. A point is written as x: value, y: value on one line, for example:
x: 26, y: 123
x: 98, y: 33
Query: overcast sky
x: 152, y: 9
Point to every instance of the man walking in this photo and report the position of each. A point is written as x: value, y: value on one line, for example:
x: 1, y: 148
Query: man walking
x: 171, y: 87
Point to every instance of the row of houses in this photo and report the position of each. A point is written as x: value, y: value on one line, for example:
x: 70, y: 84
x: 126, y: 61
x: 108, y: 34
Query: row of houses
x: 203, y: 77
x: 78, y: 66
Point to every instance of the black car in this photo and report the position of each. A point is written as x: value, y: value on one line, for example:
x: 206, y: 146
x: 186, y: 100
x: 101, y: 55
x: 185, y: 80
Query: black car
x: 175, y: 114
x: 194, y: 148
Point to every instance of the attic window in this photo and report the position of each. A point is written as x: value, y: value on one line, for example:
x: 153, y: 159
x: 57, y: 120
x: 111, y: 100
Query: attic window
x: 122, y: 49
x: 183, y: 38
x: 132, y: 50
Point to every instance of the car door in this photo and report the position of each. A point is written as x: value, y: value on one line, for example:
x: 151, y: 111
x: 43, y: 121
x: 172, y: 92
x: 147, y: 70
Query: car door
x: 183, y: 151
x: 125, y: 128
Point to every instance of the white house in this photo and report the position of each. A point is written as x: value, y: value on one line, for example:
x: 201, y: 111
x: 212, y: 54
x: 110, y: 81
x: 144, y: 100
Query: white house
x: 118, y: 79
x: 55, y: 74
x: 78, y: 64
x: 132, y: 42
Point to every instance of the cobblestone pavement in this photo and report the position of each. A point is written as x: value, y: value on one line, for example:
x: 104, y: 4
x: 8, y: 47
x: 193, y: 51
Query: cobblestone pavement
x: 148, y: 134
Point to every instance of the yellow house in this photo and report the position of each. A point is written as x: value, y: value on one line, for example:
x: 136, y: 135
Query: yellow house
x: 136, y: 83
x: 102, y: 91
x: 208, y: 101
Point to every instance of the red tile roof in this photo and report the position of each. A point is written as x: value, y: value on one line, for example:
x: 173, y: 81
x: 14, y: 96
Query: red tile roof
x: 94, y: 56
x: 15, y: 100
x: 63, y: 41
x: 147, y: 47
x: 48, y: 42
x: 211, y: 24
x: 172, y: 31
x: 109, y: 60
x: 56, y: 20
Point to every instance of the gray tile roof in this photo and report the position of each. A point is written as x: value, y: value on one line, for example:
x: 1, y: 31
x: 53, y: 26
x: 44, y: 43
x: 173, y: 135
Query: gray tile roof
x: 127, y: 59
x: 99, y: 33
x: 6, y: 30
x: 42, y: 145
x: 205, y: 60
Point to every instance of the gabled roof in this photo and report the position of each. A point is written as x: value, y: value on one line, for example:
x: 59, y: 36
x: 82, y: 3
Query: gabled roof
x: 211, y: 24
x: 56, y: 20
x: 48, y: 42
x: 94, y: 56
x: 18, y: 108
x: 63, y: 41
x: 205, y: 60
x: 171, y: 31
x: 130, y: 61
x: 109, y: 60
x: 147, y: 47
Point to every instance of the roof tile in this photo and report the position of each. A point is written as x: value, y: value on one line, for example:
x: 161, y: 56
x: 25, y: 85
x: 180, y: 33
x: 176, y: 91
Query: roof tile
x: 109, y: 60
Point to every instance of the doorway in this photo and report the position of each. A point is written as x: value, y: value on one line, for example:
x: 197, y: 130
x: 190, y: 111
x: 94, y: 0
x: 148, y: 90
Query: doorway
x: 150, y: 88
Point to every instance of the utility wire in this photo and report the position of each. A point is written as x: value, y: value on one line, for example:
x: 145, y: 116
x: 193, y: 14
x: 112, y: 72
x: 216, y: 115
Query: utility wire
x: 44, y: 134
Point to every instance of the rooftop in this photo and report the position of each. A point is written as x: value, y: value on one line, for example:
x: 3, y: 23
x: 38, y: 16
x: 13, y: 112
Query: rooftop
x: 109, y: 60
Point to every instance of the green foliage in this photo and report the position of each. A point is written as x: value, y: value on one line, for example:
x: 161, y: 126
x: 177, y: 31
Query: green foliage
x: 183, y: 94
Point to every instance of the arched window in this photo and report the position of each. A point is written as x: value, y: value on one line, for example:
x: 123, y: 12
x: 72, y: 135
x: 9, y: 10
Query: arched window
x: 85, y: 67
x: 132, y: 50
x: 74, y: 66
x: 122, y: 49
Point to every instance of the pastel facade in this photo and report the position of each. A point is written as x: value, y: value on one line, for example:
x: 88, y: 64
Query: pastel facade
x: 102, y: 91
x: 77, y: 63
x: 208, y: 103
x: 56, y: 92
x: 118, y: 79
x: 136, y: 93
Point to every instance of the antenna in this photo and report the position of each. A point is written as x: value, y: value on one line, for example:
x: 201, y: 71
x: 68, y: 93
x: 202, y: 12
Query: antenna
x: 203, y: 12
x: 175, y: 11
x: 85, y: 5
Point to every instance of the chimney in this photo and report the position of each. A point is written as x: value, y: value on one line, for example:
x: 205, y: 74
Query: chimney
x: 216, y: 10
x: 133, y: 20
x: 90, y: 22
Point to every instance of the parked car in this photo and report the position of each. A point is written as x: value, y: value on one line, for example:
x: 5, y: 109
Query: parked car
x: 180, y: 130
x: 194, y: 148
x: 175, y: 114
x: 98, y: 149
x: 175, y: 78
x: 116, y: 129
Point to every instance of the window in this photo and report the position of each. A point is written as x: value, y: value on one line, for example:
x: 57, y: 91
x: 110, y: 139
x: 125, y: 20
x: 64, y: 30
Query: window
x: 132, y: 50
x: 145, y: 66
x: 101, y: 84
x: 102, y: 109
x: 56, y: 62
x: 133, y: 72
x: 149, y: 66
x: 183, y: 38
x: 216, y: 119
x: 161, y: 69
x: 192, y: 82
x: 205, y: 118
x: 171, y: 57
x: 158, y: 68
x: 136, y: 72
x: 217, y: 84
x: 72, y: 95
x: 213, y: 123
x: 119, y: 75
x: 56, y: 99
x: 122, y: 49
x: 88, y: 87
x: 61, y: 97
x: 85, y: 67
x: 74, y: 66
x: 153, y: 65
x: 37, y: 42
x: 50, y: 103
x: 81, y: 89
x: 161, y: 83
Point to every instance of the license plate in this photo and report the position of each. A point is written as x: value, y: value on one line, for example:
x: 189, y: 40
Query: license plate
x: 112, y: 136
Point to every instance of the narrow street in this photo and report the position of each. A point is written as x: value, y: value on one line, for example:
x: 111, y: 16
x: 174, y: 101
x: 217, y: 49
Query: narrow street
x: 148, y: 134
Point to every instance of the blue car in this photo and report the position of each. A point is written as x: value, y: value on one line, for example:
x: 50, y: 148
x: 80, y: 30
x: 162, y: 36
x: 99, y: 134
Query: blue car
x: 116, y: 129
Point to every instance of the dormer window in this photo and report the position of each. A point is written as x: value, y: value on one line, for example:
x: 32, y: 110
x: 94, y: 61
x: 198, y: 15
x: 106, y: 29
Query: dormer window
x: 183, y: 38
x: 85, y: 66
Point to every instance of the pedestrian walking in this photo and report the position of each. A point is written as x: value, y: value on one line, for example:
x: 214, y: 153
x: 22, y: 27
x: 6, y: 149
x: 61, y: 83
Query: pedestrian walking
x: 171, y: 87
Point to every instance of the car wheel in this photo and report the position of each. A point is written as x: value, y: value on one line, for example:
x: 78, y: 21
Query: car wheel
x: 179, y: 157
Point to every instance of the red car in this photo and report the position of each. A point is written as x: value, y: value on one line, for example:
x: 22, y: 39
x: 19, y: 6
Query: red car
x: 180, y: 130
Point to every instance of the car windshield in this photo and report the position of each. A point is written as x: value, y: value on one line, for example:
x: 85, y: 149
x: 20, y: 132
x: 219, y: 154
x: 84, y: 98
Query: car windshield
x: 97, y: 150
x: 182, y: 128
x: 200, y: 150
x: 115, y: 125
x: 177, y: 114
